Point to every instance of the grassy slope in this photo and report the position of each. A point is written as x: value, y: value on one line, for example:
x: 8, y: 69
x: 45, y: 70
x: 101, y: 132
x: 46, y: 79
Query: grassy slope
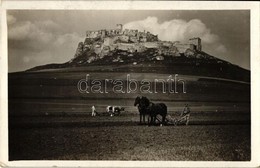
x: 64, y: 85
x: 200, y: 64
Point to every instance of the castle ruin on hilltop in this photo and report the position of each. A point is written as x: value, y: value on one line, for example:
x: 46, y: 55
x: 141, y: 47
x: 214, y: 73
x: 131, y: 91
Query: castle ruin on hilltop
x: 104, y: 41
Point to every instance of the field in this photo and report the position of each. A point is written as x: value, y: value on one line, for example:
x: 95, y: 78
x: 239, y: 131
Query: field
x: 121, y: 138
x: 50, y: 120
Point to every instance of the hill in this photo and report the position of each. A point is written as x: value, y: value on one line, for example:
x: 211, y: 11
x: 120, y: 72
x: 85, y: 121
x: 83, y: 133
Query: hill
x: 199, y: 63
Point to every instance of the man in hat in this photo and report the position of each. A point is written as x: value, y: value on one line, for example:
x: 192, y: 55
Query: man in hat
x: 93, y: 109
x: 185, y: 114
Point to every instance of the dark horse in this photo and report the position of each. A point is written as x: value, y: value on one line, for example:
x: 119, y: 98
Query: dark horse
x: 146, y: 107
x: 142, y: 103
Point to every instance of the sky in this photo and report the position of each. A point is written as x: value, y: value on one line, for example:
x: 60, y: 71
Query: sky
x: 39, y: 37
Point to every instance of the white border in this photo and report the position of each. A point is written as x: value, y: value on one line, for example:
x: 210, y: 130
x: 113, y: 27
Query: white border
x: 137, y: 5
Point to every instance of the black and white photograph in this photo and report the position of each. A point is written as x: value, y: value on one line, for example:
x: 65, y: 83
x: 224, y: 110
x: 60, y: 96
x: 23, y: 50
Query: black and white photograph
x: 129, y: 85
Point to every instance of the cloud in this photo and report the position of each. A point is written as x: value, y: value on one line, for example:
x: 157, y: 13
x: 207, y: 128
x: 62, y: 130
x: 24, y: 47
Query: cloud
x: 221, y: 48
x: 39, y: 32
x: 174, y: 30
x: 30, y: 31
x: 63, y: 39
x: 40, y: 42
x: 26, y: 59
x: 179, y: 30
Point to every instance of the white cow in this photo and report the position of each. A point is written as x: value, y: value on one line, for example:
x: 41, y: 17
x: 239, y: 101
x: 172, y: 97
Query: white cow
x: 114, y: 110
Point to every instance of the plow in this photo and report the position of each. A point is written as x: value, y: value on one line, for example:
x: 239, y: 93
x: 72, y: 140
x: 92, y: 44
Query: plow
x: 175, y: 120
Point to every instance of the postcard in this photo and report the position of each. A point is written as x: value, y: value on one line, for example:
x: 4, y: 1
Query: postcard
x: 129, y: 84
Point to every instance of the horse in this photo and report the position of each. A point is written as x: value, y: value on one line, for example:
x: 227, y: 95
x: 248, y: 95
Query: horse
x: 142, y: 103
x: 152, y: 109
x: 157, y: 109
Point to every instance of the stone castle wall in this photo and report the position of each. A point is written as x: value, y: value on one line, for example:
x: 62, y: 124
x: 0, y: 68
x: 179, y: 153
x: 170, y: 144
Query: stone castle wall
x: 103, y: 41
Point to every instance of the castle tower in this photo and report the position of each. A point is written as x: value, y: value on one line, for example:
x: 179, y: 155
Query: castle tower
x: 119, y: 27
x: 197, y: 42
x: 103, y: 33
x: 88, y: 34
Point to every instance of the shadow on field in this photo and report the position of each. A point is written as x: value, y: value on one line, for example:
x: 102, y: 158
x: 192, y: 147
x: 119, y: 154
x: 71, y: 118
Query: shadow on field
x: 86, y: 124
x: 85, y: 120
